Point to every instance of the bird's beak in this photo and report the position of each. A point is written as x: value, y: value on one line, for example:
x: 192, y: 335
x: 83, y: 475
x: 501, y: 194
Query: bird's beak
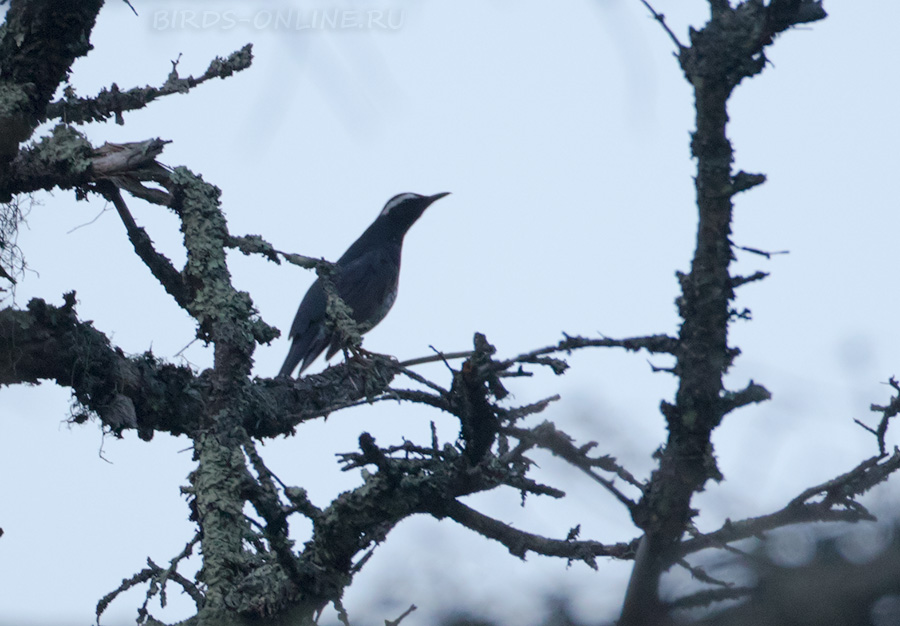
x: 437, y: 196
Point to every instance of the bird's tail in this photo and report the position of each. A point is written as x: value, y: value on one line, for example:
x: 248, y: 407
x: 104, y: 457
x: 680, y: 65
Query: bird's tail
x: 306, y: 348
x: 294, y: 356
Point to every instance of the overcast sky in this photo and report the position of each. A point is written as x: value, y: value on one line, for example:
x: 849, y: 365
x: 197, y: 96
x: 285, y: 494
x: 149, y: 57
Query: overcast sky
x: 562, y: 132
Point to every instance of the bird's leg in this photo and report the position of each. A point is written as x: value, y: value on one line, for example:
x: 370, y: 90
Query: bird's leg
x: 357, y: 353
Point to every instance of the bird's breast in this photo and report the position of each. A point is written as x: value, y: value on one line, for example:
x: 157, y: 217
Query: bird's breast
x: 381, y: 312
x: 368, y: 285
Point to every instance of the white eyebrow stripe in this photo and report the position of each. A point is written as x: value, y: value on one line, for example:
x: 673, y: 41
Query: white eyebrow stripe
x: 396, y: 200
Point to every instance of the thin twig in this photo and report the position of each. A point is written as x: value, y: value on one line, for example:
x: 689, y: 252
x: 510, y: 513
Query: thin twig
x: 768, y: 255
x: 396, y: 622
x: 700, y: 574
x: 421, y: 379
x: 659, y: 17
x: 440, y: 356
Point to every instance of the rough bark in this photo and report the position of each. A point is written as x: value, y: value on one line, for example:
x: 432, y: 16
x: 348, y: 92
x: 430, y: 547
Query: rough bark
x: 728, y: 49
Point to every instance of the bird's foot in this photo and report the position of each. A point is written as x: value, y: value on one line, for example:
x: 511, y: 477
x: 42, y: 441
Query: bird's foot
x: 357, y: 353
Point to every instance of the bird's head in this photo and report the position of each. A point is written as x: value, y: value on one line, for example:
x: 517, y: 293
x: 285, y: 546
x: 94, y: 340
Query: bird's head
x: 404, y: 209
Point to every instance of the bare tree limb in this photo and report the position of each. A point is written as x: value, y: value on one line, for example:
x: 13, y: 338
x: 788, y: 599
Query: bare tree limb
x: 887, y: 413
x: 728, y: 49
x: 50, y: 343
x: 830, y: 501
x: 519, y: 543
x: 159, y: 264
x: 113, y: 102
x: 659, y: 17
x: 547, y: 436
x: 662, y: 344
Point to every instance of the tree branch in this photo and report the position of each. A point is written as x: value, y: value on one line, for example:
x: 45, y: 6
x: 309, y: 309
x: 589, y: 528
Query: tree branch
x: 726, y: 50
x: 548, y: 437
x: 659, y: 344
x: 887, y: 413
x: 49, y: 343
x: 38, y: 44
x: 254, y: 244
x: 835, y: 503
x: 159, y: 264
x: 112, y: 102
x: 659, y: 17
x: 519, y: 542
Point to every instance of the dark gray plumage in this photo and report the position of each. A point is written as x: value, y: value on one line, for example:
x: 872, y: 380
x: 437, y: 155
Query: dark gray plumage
x: 366, y: 279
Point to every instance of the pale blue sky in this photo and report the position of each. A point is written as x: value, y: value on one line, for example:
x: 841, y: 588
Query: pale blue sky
x: 562, y: 131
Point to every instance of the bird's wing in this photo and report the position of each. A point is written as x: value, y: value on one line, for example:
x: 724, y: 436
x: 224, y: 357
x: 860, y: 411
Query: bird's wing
x: 307, y: 331
x: 311, y: 309
x: 368, y: 285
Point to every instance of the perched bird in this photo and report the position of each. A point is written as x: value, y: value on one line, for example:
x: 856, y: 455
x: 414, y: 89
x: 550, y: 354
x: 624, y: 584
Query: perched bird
x: 366, y: 279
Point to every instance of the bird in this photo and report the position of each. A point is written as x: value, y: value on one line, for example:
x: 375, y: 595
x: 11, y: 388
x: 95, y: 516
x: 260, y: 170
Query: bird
x: 366, y: 278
